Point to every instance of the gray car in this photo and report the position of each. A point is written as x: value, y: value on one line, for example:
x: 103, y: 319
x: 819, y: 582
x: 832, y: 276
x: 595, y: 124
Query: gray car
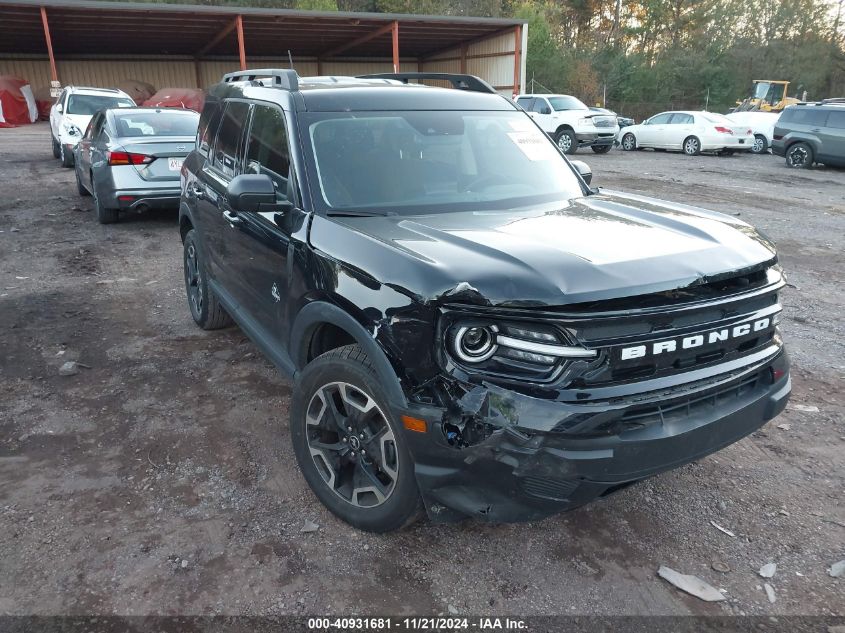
x: 808, y: 133
x: 130, y: 159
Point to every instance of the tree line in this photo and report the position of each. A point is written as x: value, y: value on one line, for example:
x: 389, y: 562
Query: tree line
x: 642, y: 56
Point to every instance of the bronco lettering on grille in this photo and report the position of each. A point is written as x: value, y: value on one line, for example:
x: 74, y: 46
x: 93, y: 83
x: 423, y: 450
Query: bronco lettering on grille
x: 695, y: 340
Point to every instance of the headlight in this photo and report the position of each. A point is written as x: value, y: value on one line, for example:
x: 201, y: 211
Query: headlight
x: 475, y: 344
x: 585, y: 121
x: 515, y: 349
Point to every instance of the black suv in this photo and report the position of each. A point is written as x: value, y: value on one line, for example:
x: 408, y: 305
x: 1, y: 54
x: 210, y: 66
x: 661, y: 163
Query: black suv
x: 808, y: 133
x: 471, y: 329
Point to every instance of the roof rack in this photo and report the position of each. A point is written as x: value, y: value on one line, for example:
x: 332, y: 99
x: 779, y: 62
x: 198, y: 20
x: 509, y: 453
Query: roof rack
x: 461, y: 82
x: 832, y: 100
x: 283, y: 78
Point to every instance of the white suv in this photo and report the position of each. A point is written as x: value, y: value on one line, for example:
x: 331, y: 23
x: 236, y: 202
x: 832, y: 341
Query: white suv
x: 571, y: 123
x: 70, y: 115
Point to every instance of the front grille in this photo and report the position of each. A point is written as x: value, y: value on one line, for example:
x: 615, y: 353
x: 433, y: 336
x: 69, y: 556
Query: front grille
x: 664, y: 412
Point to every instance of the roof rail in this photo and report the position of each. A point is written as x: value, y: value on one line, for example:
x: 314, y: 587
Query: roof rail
x: 832, y: 100
x: 283, y: 78
x: 461, y: 82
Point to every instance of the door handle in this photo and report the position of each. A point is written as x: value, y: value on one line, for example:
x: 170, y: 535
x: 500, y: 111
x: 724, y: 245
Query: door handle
x: 231, y: 217
x: 197, y: 192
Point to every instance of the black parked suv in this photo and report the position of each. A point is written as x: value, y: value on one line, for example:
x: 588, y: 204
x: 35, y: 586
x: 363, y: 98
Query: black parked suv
x: 808, y: 133
x: 471, y: 329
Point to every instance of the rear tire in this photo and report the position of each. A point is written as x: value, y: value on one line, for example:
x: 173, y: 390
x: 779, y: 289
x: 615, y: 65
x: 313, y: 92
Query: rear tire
x: 366, y: 476
x: 104, y: 215
x: 629, y: 142
x: 65, y: 156
x: 205, y: 307
x: 57, y: 151
x: 692, y: 146
x: 566, y: 141
x: 799, y: 156
x: 601, y: 149
x: 761, y: 145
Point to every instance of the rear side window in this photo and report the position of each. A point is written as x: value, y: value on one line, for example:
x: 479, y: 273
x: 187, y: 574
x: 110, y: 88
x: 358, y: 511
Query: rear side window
x: 267, y: 146
x: 525, y: 103
x: 803, y: 116
x: 209, y: 121
x: 836, y: 119
x: 681, y: 119
x: 229, y: 138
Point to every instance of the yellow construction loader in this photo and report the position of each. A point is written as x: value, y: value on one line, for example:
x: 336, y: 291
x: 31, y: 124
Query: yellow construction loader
x: 768, y: 95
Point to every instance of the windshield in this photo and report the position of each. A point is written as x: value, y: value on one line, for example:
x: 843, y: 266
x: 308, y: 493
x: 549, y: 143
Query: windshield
x: 157, y: 124
x: 90, y: 104
x: 428, y: 162
x: 567, y: 103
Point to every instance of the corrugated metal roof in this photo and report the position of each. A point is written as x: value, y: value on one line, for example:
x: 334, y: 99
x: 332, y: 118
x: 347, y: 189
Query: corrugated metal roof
x: 85, y: 27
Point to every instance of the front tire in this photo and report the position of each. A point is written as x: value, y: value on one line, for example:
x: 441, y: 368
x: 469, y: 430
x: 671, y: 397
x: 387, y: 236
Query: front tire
x: 566, y: 141
x: 629, y: 142
x: 65, y: 156
x: 205, y: 307
x: 80, y: 188
x: 349, y: 445
x: 799, y: 156
x: 761, y: 145
x: 601, y: 149
x: 692, y: 146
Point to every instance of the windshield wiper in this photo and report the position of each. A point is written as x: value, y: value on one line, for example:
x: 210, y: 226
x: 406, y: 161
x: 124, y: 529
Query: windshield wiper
x: 351, y: 213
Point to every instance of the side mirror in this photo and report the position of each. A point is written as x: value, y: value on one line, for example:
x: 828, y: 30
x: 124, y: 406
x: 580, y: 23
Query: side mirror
x: 583, y: 169
x: 248, y: 192
x: 546, y: 110
x: 59, y: 108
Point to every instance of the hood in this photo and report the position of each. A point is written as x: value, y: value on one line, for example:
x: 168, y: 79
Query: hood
x: 603, y: 246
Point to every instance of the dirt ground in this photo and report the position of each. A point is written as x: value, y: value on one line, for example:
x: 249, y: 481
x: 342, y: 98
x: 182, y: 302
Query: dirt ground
x: 160, y: 479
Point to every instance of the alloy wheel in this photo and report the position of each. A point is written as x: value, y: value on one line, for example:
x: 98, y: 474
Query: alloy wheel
x: 352, y: 444
x: 759, y: 145
x: 628, y: 142
x: 691, y: 146
x: 798, y: 156
x: 564, y: 142
x: 193, y: 278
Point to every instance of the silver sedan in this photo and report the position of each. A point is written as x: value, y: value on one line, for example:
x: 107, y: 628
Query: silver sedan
x: 130, y: 159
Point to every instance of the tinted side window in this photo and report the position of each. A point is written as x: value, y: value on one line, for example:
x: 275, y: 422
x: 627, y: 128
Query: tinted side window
x: 267, y: 147
x: 209, y: 121
x: 525, y: 103
x: 836, y: 119
x: 804, y: 116
x: 541, y: 106
x: 229, y: 138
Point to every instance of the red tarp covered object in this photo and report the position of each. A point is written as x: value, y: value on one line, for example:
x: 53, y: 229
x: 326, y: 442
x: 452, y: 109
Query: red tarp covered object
x: 190, y: 98
x: 17, y: 105
x: 44, y: 102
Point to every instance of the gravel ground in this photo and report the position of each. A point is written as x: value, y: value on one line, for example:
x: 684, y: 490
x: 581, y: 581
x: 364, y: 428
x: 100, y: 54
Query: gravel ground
x: 160, y: 478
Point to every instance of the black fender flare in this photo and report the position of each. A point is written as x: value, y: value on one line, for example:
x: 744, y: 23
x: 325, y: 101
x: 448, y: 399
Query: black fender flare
x: 185, y: 212
x: 317, y: 313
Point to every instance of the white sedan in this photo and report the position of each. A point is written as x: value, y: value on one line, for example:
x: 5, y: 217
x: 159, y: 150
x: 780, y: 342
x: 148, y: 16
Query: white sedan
x: 689, y: 132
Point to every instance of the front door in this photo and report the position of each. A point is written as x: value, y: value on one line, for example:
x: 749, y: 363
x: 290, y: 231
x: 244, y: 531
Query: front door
x: 256, y: 248
x: 651, y: 134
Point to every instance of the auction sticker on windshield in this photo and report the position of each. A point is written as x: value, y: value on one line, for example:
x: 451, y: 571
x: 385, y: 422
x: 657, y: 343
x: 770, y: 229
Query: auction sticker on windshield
x: 534, y: 145
x: 174, y: 164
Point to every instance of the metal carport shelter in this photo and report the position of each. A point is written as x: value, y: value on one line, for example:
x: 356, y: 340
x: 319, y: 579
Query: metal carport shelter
x: 87, y: 42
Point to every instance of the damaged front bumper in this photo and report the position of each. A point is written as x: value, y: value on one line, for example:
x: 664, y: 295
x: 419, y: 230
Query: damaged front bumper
x: 520, y: 458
